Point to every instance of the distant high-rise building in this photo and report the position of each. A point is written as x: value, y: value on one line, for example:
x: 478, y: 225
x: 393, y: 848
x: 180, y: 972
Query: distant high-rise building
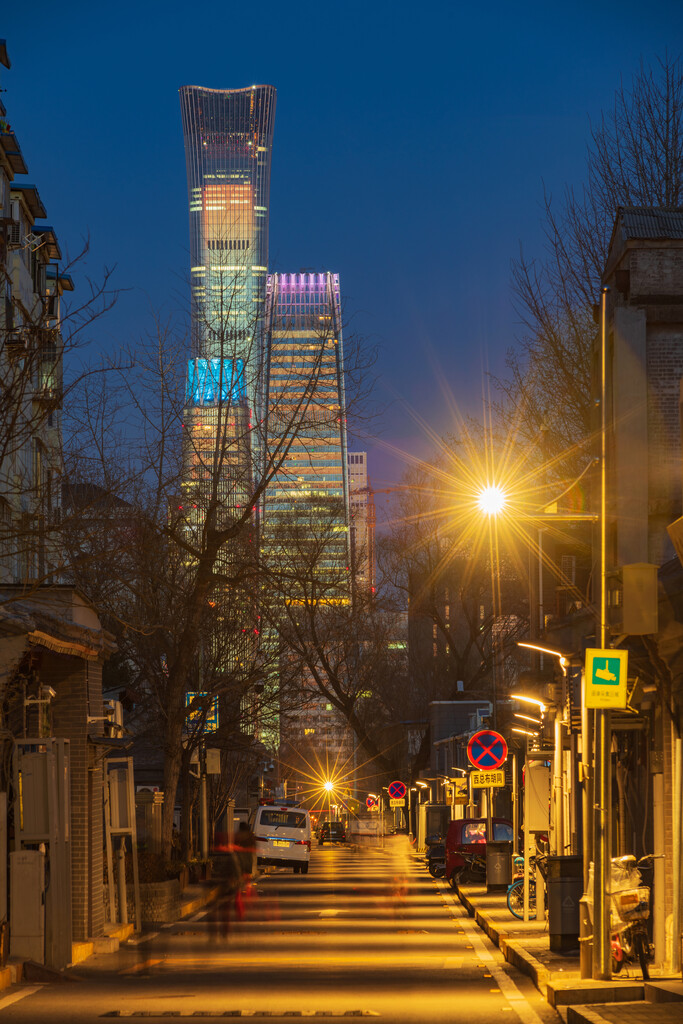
x: 306, y: 515
x: 228, y: 141
x: 228, y: 137
x: 361, y: 523
x: 306, y: 399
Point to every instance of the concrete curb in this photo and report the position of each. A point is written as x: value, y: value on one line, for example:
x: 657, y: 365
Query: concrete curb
x: 11, y: 974
x: 512, y: 949
x: 201, y: 900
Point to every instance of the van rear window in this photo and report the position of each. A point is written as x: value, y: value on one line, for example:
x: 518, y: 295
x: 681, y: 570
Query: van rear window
x: 288, y: 819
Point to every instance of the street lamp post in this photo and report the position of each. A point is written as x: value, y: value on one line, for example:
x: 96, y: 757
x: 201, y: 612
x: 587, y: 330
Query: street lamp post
x: 602, y: 818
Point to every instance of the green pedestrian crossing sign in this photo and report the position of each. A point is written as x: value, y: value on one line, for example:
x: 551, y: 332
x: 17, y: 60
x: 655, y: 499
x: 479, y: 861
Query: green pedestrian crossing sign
x: 606, y: 675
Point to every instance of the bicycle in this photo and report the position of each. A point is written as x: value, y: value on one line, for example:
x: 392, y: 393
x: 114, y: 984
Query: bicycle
x: 515, y: 895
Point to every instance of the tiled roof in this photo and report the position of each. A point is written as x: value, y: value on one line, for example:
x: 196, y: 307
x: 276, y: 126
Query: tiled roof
x: 651, y: 221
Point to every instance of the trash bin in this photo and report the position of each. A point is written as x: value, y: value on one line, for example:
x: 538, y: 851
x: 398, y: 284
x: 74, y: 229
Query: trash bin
x: 565, y: 889
x: 498, y: 865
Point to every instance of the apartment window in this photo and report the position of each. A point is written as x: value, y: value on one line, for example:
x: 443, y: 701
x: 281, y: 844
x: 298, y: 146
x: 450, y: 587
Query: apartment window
x: 568, y: 569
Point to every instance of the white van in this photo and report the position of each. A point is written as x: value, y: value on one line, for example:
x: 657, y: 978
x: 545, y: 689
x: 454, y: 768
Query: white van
x: 282, y: 836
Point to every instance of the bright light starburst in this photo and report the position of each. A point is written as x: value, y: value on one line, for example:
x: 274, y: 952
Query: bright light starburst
x: 492, y: 500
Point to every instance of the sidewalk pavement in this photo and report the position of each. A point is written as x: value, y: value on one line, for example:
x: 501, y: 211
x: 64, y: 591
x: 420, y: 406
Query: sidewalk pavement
x: 192, y: 899
x: 624, y: 1000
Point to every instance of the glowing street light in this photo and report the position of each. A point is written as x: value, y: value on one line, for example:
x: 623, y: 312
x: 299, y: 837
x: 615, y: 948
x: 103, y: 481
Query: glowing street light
x: 492, y: 500
x: 328, y: 785
x: 529, y: 700
x: 528, y: 718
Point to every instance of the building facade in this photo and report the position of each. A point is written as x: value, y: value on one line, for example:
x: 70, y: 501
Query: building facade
x: 306, y: 409
x: 361, y: 522
x: 228, y: 137
x: 52, y: 645
x: 306, y: 509
x: 31, y: 374
x: 228, y: 143
x: 644, y: 272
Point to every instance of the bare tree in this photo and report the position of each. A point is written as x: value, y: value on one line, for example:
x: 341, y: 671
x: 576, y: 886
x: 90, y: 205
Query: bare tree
x: 41, y: 334
x: 187, y: 446
x: 335, y: 642
x: 455, y: 579
x: 634, y: 158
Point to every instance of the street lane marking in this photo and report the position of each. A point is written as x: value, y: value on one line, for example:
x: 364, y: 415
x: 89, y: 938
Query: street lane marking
x: 242, y: 1013
x: 199, y: 915
x: 453, y: 961
x: 16, y: 996
x: 143, y: 966
x: 142, y: 938
x: 508, y: 988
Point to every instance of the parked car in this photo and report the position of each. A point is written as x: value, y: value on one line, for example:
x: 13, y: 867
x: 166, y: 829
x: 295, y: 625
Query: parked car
x: 331, y: 832
x: 466, y: 847
x: 282, y: 836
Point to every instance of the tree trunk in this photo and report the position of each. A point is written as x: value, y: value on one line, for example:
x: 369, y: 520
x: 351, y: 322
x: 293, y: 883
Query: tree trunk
x: 172, y: 765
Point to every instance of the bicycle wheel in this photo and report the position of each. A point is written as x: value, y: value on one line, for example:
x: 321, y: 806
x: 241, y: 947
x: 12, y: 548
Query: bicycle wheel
x: 516, y: 899
x: 642, y: 949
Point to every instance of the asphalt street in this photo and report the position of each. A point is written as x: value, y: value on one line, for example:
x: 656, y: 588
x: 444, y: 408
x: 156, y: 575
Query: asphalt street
x: 363, y: 934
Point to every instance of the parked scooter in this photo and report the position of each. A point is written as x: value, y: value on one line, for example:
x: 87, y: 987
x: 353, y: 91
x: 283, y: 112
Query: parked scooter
x: 435, y: 855
x: 435, y: 859
x: 630, y: 910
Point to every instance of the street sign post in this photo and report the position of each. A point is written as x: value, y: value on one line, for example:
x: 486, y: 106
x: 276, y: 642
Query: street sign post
x: 211, y: 720
x: 371, y: 802
x: 487, y: 780
x: 397, y: 790
x: 487, y: 750
x: 606, y: 675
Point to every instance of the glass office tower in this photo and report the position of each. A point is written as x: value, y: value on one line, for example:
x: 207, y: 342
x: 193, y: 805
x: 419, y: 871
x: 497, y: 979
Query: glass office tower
x: 306, y: 387
x: 228, y: 142
x: 228, y: 135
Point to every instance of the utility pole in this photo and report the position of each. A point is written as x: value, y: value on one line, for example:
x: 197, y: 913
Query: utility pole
x: 203, y: 803
x: 602, y: 816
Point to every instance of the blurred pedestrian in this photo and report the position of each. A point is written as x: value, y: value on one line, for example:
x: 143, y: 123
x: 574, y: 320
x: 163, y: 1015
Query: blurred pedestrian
x: 245, y: 849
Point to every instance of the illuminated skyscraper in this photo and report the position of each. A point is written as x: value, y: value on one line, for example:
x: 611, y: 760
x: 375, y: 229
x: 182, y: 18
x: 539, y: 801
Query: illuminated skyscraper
x: 228, y: 136
x: 305, y: 383
x: 306, y: 516
x: 228, y: 141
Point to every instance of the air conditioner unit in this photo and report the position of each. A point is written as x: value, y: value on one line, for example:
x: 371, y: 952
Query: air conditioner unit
x: 14, y: 235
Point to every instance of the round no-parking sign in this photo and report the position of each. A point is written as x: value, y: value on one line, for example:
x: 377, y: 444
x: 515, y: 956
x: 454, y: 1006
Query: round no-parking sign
x: 397, y: 790
x: 487, y: 750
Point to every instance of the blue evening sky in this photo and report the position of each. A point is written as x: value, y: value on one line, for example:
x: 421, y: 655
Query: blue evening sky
x: 411, y: 146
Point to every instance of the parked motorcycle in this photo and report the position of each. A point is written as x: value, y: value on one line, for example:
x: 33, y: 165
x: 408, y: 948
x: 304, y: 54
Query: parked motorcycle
x: 435, y: 859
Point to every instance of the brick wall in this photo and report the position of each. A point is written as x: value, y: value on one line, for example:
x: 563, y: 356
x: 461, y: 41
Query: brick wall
x: 159, y: 901
x: 656, y: 272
